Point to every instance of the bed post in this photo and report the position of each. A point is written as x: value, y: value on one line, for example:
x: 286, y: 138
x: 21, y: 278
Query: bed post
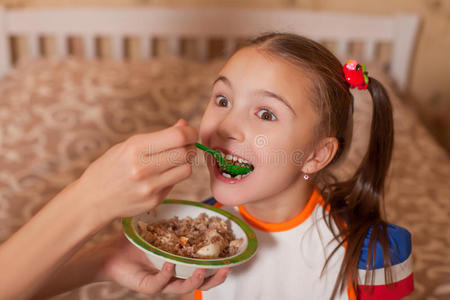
x: 5, y: 55
x: 405, y: 33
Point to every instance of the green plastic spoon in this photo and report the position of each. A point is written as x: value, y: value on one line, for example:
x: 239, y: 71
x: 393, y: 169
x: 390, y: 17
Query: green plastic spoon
x: 229, y: 168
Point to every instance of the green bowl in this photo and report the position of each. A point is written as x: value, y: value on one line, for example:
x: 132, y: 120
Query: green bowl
x: 185, y: 266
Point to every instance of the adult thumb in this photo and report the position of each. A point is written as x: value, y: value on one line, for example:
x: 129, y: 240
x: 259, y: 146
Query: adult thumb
x: 180, y: 122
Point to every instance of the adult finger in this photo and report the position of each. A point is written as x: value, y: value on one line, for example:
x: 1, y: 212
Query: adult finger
x: 153, y: 187
x: 218, y: 278
x: 155, y: 283
x: 170, y: 177
x: 178, y: 155
x: 164, y: 192
x: 164, y: 161
x: 168, y: 138
x: 157, y: 198
x: 186, y: 286
x: 180, y: 122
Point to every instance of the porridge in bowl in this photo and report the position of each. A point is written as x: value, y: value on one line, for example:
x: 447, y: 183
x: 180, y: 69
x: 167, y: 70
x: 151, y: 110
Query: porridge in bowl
x: 191, y: 235
x: 201, y: 237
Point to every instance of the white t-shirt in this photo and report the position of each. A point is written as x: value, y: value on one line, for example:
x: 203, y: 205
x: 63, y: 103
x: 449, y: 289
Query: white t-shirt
x: 288, y: 262
x: 291, y: 255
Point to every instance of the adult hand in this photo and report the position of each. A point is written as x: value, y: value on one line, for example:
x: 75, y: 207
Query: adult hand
x: 129, y: 267
x: 135, y: 175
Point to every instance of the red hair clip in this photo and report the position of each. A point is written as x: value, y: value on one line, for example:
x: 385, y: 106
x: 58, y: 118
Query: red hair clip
x: 355, y: 74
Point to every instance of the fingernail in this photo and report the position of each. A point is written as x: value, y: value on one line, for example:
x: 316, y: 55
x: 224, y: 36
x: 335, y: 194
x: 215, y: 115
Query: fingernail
x: 168, y: 267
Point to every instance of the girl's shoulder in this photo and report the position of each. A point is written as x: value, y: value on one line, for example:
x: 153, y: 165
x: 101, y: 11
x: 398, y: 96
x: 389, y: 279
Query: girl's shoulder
x: 401, y: 267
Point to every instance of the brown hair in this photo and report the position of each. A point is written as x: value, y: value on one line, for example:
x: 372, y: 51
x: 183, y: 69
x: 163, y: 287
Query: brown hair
x: 358, y: 200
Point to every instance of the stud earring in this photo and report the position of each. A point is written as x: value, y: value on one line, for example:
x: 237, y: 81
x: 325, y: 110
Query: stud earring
x: 306, y: 176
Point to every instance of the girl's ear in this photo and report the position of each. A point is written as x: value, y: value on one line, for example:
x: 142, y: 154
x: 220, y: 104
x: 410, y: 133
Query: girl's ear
x: 321, y: 155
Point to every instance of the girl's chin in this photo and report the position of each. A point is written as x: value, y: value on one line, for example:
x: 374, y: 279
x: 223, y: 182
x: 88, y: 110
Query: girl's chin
x: 228, y: 198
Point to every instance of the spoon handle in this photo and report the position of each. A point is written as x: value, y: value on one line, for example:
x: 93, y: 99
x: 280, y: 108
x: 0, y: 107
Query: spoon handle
x: 214, y: 153
x: 227, y: 167
x: 204, y: 148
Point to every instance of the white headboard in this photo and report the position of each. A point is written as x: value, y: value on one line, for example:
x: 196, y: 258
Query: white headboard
x: 201, y: 24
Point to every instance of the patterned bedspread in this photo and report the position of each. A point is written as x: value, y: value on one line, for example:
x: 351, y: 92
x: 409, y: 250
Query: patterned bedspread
x: 57, y: 117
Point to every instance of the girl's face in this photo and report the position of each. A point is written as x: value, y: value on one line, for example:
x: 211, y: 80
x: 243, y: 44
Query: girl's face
x: 259, y: 111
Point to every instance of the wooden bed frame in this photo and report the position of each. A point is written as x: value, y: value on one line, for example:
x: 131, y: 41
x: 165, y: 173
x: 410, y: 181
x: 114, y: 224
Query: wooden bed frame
x: 201, y: 24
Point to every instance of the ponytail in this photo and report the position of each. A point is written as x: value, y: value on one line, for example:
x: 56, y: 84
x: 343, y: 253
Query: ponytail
x: 354, y: 205
x: 358, y: 202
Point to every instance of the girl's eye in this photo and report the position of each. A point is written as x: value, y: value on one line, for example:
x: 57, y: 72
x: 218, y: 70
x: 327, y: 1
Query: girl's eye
x: 267, y: 115
x: 222, y: 101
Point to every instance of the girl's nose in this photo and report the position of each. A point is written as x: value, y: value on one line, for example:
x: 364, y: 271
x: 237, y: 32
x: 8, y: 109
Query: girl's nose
x: 231, y: 127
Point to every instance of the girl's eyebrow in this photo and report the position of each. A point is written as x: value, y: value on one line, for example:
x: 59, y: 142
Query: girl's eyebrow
x: 276, y: 97
x: 224, y: 79
x: 261, y: 92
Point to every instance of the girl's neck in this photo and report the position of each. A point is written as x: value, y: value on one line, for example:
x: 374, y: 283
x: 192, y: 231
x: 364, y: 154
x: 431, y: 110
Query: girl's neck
x: 283, y: 206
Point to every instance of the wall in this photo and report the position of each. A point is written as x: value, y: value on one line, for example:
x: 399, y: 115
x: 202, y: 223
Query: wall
x: 429, y: 90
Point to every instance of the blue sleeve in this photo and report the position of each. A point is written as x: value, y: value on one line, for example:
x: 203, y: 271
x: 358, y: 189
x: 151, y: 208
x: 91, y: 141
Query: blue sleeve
x: 401, y: 267
x: 210, y: 201
x: 399, y: 242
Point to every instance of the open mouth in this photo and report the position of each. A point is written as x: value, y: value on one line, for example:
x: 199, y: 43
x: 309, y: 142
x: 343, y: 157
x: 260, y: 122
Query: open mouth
x: 236, y: 161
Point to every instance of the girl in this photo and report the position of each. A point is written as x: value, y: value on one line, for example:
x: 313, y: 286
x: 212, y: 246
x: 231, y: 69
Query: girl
x: 283, y: 104
x: 130, y: 178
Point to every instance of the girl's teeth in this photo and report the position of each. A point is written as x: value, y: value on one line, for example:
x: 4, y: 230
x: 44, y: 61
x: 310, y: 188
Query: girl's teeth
x: 233, y: 158
x: 238, y: 177
x: 226, y: 175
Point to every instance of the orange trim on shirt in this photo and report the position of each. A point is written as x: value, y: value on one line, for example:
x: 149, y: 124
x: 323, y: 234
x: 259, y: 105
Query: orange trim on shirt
x: 292, y: 223
x: 350, y: 291
x: 198, y: 295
